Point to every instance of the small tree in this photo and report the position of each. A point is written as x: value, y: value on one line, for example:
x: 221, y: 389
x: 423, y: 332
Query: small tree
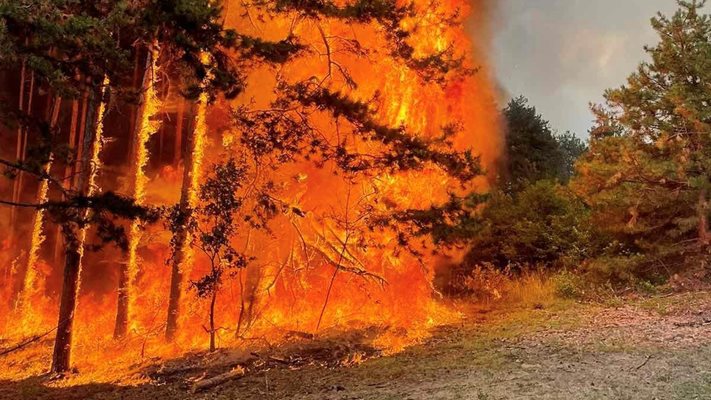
x: 213, y: 226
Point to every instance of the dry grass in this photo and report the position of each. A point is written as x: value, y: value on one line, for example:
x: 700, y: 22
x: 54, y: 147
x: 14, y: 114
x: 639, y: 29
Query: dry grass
x: 501, y: 288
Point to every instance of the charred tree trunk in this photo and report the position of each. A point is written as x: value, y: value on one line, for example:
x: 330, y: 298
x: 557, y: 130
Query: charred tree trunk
x: 18, y: 149
x: 180, y: 241
x: 67, y: 177
x: 22, y: 149
x: 70, y: 289
x: 121, y: 323
x: 144, y: 128
x: 73, y: 237
x: 29, y: 275
x: 178, y: 144
x: 212, y: 320
x: 188, y: 198
x: 21, y: 139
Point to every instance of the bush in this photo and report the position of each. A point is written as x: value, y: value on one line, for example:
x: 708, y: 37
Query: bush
x: 488, y: 284
x: 569, y: 285
x: 544, y: 225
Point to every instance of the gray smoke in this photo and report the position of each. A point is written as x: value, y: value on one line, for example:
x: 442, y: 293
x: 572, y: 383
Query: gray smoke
x: 562, y: 54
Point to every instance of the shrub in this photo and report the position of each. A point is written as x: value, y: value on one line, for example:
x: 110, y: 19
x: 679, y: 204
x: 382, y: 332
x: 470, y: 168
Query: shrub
x: 569, y: 285
x: 544, y: 225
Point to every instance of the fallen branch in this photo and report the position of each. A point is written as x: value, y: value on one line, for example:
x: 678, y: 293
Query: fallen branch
x: 649, y: 357
x: 353, y: 270
x: 279, y: 360
x: 237, y: 372
x: 25, y: 343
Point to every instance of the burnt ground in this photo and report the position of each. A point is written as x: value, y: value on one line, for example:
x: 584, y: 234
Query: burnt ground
x: 652, y: 348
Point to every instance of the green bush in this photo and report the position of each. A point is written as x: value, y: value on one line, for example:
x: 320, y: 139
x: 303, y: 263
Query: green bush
x: 569, y: 285
x: 544, y: 225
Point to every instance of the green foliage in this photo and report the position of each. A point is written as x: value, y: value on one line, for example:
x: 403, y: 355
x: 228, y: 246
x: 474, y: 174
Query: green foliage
x: 543, y: 225
x: 569, y: 285
x: 533, y: 151
x: 571, y: 148
x: 60, y: 39
x: 215, y: 222
x: 646, y: 175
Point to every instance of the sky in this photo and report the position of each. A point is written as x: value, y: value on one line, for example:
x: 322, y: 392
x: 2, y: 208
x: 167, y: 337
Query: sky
x: 563, y: 54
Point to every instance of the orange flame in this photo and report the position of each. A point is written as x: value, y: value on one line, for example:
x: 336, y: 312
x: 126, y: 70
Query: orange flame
x: 322, y: 266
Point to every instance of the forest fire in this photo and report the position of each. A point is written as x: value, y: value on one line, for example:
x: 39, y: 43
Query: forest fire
x: 310, y: 258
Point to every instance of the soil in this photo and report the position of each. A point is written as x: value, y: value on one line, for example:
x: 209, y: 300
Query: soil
x: 646, y: 348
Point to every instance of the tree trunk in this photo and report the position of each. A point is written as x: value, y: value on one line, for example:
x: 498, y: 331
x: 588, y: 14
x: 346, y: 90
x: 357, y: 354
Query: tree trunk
x: 70, y: 289
x: 74, y: 236
x: 72, y: 258
x: 82, y: 131
x: 21, y: 140
x: 188, y: 200
x: 67, y: 177
x: 188, y: 197
x: 121, y: 324
x: 17, y: 193
x: 134, y: 85
x: 29, y: 276
x: 144, y: 128
x: 181, y: 236
x: 178, y: 144
x: 212, y: 320
x: 18, y: 149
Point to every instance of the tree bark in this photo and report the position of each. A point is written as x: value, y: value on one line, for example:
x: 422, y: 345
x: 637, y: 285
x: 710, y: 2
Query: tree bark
x: 121, y: 323
x: 188, y: 198
x: 17, y: 189
x: 181, y: 236
x: 208, y: 383
x: 143, y: 130
x: 61, y: 357
x: 28, y: 273
x: 178, y: 144
x: 21, y: 139
x: 18, y: 149
x: 67, y: 178
x: 212, y: 320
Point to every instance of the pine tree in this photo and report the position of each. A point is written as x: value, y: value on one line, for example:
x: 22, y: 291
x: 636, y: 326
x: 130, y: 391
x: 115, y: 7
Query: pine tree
x: 646, y: 175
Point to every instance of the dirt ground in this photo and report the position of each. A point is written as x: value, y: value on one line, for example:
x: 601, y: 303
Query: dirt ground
x: 652, y: 348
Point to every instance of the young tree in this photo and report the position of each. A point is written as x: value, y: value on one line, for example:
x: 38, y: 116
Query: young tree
x: 647, y: 172
x: 214, y: 225
x: 544, y: 225
x: 571, y: 147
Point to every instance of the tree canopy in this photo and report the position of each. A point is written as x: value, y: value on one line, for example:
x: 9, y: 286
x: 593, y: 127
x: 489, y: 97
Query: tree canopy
x: 646, y: 175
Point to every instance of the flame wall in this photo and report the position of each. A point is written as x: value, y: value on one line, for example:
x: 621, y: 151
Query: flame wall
x: 285, y: 288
